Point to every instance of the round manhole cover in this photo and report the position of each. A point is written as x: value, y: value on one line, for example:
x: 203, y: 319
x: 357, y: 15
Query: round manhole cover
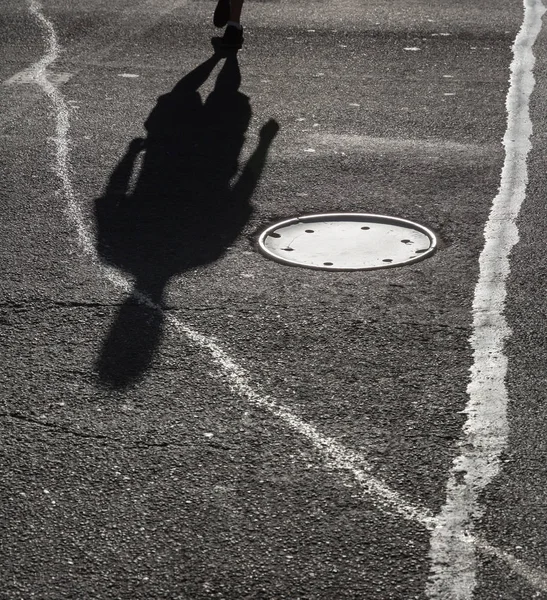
x: 347, y: 242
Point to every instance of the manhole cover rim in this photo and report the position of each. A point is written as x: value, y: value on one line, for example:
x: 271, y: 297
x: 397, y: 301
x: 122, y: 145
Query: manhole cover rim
x: 336, y: 216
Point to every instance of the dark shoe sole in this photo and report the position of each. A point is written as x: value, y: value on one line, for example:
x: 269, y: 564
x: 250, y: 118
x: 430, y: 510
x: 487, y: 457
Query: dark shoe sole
x: 221, y: 46
x: 222, y: 13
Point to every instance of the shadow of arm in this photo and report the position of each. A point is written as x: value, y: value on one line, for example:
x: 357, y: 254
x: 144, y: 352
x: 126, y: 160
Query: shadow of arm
x: 244, y: 187
x: 118, y: 182
x: 107, y: 207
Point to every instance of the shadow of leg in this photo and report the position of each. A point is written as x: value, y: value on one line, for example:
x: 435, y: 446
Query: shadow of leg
x: 129, y: 349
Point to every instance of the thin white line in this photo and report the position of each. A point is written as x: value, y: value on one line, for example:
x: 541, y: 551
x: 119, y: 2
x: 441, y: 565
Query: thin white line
x: 28, y: 76
x: 62, y: 122
x: 453, y: 558
x: 336, y: 456
x: 535, y: 577
x: 327, y: 141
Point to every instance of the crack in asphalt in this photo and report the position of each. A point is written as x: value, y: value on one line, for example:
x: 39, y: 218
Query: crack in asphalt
x: 118, y: 442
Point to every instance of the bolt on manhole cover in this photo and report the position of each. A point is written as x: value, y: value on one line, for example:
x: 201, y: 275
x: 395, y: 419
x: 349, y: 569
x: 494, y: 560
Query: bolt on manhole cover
x: 347, y: 242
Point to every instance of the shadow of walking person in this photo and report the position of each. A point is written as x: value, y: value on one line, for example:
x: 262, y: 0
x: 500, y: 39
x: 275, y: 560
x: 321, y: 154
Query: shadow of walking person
x: 184, y: 209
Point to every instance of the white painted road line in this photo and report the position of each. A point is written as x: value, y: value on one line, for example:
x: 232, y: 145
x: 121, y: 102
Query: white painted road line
x: 327, y: 143
x: 61, y: 164
x: 27, y: 76
x: 336, y: 456
x: 453, y: 558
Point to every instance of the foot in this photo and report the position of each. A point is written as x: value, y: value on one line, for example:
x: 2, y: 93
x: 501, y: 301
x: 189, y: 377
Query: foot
x: 222, y: 13
x: 231, y: 40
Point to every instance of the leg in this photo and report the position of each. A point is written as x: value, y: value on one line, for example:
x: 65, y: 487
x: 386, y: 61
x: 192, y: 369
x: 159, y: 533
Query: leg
x: 235, y: 10
x: 222, y: 13
x: 233, y: 35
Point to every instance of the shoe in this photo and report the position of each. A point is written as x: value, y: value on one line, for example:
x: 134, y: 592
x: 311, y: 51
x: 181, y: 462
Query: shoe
x: 222, y: 13
x: 232, y: 38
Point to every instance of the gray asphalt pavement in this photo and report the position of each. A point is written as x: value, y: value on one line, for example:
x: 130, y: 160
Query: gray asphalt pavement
x: 189, y: 448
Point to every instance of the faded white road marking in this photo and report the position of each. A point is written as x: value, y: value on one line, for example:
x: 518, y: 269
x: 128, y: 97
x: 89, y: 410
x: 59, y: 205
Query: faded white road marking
x: 62, y: 122
x: 326, y: 143
x: 159, y: 6
x: 453, y: 571
x: 335, y: 455
x: 535, y: 577
x: 27, y: 76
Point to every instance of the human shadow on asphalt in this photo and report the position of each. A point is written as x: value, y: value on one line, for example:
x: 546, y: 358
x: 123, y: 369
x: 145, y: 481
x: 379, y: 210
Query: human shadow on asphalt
x: 183, y: 210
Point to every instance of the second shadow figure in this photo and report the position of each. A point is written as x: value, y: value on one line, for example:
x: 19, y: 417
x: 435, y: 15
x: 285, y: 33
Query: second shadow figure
x: 184, y: 209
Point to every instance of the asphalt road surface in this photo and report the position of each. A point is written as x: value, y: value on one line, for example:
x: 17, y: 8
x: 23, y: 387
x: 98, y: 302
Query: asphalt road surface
x: 183, y: 418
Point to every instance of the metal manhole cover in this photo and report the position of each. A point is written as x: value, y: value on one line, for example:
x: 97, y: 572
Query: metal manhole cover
x: 347, y: 242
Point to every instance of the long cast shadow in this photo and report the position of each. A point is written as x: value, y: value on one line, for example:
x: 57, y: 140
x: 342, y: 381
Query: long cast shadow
x: 184, y: 209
